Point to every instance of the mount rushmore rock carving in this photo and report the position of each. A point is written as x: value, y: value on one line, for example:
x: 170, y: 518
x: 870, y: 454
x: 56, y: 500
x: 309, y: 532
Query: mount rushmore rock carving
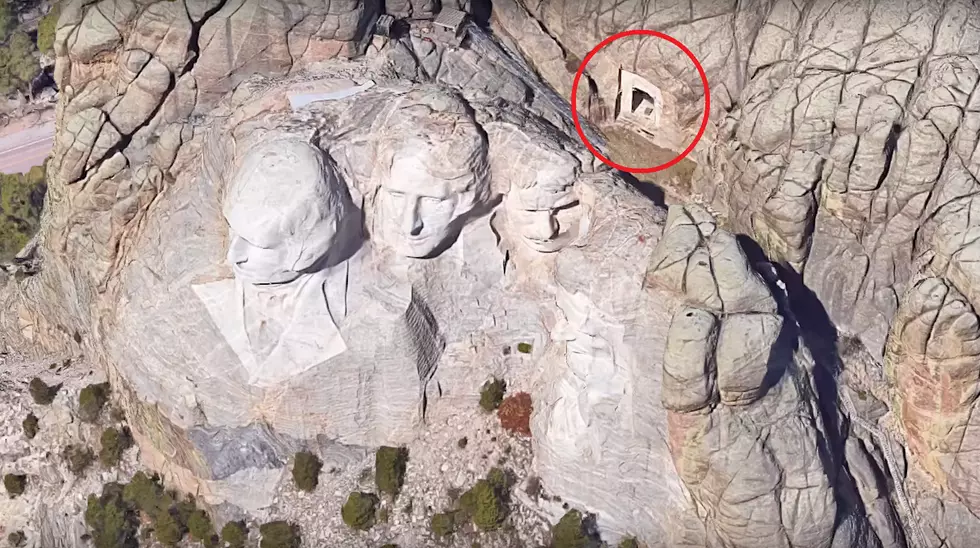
x: 436, y: 209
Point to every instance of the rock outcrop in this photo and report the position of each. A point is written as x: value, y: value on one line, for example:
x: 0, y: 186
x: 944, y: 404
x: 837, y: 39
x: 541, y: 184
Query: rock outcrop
x: 276, y: 232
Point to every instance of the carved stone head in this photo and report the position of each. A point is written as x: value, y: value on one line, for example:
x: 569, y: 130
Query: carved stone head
x: 284, y: 205
x: 539, y: 175
x: 432, y: 171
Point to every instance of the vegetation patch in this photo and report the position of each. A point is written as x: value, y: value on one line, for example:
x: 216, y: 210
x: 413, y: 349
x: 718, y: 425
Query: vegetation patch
x: 46, y: 29
x: 200, y: 527
x: 91, y: 400
x: 21, y: 195
x: 30, y: 426
x: 17, y: 539
x: 113, y: 443
x: 18, y: 65
x: 358, y: 511
x: 443, y: 524
x: 571, y: 532
x: 484, y: 504
x: 41, y: 392
x: 279, y: 534
x: 306, y: 471
x: 524, y: 348
x: 111, y: 521
x: 492, y: 394
x: 515, y: 414
x: 146, y: 494
x: 234, y: 534
x: 168, y: 528
x: 389, y: 469
x: 78, y: 458
x: 629, y: 543
x: 15, y: 484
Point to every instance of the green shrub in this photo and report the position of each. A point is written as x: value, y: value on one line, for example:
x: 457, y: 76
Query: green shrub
x: 234, y: 534
x: 484, y: 505
x: 168, y: 528
x: 358, y: 511
x: 41, y: 392
x: 17, y: 63
x: 279, y: 534
x: 78, y: 458
x: 146, y: 494
x: 499, y: 479
x: 17, y: 539
x: 91, y: 400
x: 46, y: 29
x: 113, y: 443
x: 14, y: 484
x: 389, y: 469
x: 629, y: 543
x: 21, y: 202
x: 111, y: 521
x: 200, y: 527
x: 492, y: 393
x: 30, y: 426
x: 569, y: 532
x: 524, y: 348
x: 306, y: 471
x: 443, y: 524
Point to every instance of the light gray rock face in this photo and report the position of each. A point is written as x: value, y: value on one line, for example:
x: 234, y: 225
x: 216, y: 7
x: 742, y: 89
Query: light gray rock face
x: 843, y: 140
x: 433, y: 209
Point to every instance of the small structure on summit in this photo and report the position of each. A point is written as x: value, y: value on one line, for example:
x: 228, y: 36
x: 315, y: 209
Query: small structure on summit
x: 640, y: 103
x: 450, y: 26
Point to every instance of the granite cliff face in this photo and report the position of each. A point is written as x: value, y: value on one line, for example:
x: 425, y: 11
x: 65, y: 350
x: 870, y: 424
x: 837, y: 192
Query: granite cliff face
x: 789, y: 359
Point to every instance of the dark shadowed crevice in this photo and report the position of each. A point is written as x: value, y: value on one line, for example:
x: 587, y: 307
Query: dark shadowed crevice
x: 481, y: 11
x: 651, y: 191
x: 799, y: 305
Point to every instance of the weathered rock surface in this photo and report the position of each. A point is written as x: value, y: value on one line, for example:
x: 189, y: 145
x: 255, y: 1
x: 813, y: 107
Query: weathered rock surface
x: 684, y: 389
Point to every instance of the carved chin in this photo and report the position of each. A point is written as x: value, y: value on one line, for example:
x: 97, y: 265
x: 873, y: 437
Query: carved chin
x: 263, y: 277
x: 418, y: 247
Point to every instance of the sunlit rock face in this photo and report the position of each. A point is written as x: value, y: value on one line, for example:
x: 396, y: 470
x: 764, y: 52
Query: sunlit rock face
x: 271, y: 246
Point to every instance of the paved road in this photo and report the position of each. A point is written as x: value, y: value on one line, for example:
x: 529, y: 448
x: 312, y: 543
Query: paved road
x: 21, y: 151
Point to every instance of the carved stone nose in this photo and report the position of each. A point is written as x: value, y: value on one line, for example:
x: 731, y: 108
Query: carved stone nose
x: 412, y: 223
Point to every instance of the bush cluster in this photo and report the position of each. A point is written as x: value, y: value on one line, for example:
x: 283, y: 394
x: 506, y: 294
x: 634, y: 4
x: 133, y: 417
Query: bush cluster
x: 46, y: 29
x: 389, y: 469
x: 21, y: 203
x: 358, y: 512
x: 569, y: 532
x: 234, y: 534
x: 17, y: 63
x: 15, y: 484
x: 485, y: 503
x: 629, y: 543
x: 279, y: 534
x: 91, y: 400
x: 78, y: 458
x: 41, y: 392
x: 113, y: 443
x: 114, y: 518
x: 200, y: 528
x: 111, y: 520
x: 30, y: 426
x: 443, y: 524
x: 306, y: 471
x: 17, y: 539
x: 491, y: 394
